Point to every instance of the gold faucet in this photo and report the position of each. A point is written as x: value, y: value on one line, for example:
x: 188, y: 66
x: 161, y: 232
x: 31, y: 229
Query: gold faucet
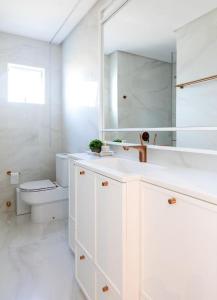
x: 142, y: 150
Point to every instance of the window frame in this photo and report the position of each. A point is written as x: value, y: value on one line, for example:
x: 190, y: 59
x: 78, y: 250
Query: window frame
x: 11, y: 66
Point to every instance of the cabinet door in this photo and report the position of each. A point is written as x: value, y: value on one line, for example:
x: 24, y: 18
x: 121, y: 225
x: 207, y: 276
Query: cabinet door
x: 85, y: 273
x: 85, y: 209
x: 104, y: 291
x: 109, y: 228
x: 179, y: 246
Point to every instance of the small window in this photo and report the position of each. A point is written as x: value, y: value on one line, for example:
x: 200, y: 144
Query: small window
x: 26, y: 84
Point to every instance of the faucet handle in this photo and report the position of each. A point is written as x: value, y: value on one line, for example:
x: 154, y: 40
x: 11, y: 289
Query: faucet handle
x: 144, y: 137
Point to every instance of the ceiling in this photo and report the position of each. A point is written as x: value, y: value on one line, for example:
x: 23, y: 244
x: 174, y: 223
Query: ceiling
x: 41, y: 19
x: 147, y: 27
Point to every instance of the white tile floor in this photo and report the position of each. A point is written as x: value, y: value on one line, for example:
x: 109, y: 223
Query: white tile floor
x: 35, y: 261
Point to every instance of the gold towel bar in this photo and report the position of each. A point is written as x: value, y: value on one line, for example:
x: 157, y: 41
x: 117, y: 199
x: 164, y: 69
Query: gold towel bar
x: 182, y: 85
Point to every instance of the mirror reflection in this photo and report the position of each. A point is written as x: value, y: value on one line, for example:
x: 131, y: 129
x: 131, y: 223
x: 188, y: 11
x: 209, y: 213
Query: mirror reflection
x: 139, y: 71
x: 143, y: 67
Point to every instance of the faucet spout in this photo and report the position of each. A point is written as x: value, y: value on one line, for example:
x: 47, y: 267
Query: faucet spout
x: 142, y: 151
x: 141, y: 148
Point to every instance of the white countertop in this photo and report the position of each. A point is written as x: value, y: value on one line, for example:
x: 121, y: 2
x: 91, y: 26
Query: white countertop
x: 83, y: 156
x: 192, y: 182
x: 195, y: 183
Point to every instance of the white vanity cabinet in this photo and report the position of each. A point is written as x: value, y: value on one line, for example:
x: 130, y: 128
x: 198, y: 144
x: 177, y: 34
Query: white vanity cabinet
x: 106, y: 236
x: 178, y: 246
x: 138, y: 241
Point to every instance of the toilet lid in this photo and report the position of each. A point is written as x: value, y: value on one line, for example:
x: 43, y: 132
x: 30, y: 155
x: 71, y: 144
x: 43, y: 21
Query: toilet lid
x: 38, y: 185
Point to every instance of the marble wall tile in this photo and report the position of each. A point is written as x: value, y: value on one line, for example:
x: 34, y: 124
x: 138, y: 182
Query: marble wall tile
x: 81, y: 59
x: 147, y: 84
x: 30, y: 135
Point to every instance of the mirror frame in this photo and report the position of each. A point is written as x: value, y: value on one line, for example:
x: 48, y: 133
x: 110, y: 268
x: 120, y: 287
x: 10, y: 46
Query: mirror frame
x: 111, y: 8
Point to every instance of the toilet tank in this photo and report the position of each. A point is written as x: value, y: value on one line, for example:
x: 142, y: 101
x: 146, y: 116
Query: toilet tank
x: 62, y: 169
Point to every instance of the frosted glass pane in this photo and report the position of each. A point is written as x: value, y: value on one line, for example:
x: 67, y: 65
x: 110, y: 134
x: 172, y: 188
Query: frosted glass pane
x: 26, y: 84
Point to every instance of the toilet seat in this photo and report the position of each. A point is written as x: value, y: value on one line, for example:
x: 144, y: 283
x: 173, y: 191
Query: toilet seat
x: 43, y: 196
x: 47, y: 200
x: 38, y: 186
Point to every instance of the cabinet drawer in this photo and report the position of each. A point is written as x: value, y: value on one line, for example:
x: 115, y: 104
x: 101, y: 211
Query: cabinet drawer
x: 84, y: 272
x: 104, y: 291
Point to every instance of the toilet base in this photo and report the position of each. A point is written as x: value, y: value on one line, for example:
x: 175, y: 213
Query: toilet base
x: 47, y: 212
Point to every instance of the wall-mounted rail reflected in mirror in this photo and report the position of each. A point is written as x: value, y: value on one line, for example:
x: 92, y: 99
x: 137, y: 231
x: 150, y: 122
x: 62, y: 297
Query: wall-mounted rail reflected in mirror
x: 201, y: 80
x: 141, y: 70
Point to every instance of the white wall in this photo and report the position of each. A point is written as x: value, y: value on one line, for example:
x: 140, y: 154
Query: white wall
x: 30, y: 135
x: 196, y: 58
x: 81, y: 57
x: 80, y: 69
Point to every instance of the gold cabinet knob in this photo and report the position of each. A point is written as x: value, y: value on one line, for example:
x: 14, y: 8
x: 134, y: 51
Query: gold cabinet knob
x: 172, y: 201
x: 105, y: 183
x: 105, y: 289
x: 82, y: 257
x: 82, y: 172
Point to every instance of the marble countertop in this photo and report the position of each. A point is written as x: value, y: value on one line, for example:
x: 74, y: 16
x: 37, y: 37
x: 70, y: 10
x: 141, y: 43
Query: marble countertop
x: 192, y: 182
x: 83, y: 156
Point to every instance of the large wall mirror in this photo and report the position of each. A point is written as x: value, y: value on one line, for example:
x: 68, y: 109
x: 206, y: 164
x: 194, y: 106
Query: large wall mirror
x: 140, y: 74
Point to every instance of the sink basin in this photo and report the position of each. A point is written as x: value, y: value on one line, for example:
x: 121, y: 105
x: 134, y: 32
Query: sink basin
x: 124, y: 166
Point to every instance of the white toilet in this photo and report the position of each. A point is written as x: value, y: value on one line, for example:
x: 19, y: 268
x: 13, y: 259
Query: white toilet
x: 47, y: 200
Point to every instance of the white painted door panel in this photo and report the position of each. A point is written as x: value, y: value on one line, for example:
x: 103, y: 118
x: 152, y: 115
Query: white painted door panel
x: 85, y: 274
x: 179, y: 247
x: 85, y: 209
x: 104, y: 291
x: 109, y: 221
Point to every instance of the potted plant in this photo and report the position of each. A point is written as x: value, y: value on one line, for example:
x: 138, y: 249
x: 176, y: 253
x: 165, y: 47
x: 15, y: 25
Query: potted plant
x: 96, y: 145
